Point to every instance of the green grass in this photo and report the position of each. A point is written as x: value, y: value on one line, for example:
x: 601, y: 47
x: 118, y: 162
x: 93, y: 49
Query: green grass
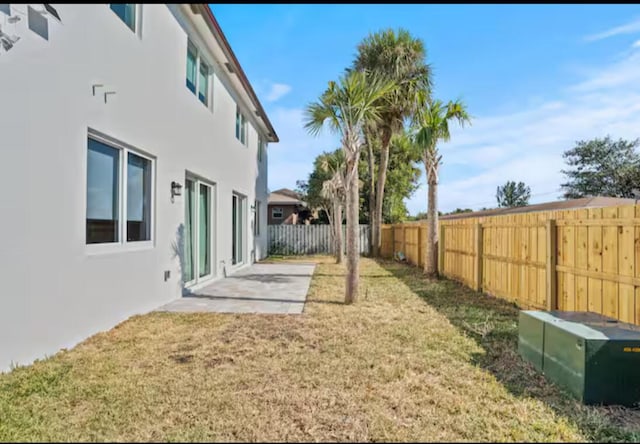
x: 413, y: 360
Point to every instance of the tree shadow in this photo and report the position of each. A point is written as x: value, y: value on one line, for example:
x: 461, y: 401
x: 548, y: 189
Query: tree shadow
x: 493, y: 324
x: 211, y: 297
x: 177, y: 251
x: 267, y: 278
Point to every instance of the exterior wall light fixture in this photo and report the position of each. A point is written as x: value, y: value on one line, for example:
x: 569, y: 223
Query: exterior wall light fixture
x: 176, y: 189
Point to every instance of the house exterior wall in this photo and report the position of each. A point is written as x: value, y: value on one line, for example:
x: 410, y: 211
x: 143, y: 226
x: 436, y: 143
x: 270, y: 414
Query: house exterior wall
x: 289, y: 213
x: 56, y: 291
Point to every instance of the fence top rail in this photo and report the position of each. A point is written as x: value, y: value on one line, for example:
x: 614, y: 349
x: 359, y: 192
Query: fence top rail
x: 456, y: 224
x: 515, y: 225
x: 600, y: 222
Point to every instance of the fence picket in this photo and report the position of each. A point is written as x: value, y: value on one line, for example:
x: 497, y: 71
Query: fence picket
x: 594, y: 265
x: 309, y: 239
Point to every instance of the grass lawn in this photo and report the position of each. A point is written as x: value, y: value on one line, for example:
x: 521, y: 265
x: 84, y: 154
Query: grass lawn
x: 413, y: 360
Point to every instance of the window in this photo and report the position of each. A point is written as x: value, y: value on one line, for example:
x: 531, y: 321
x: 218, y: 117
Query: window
x: 276, y: 213
x: 203, y: 84
x: 38, y: 23
x: 192, y: 63
x: 256, y: 219
x: 6, y: 8
x: 126, y: 12
x: 261, y: 148
x: 138, y: 198
x: 241, y: 126
x: 237, y: 225
x: 119, y: 188
x: 198, y: 74
x: 103, y: 215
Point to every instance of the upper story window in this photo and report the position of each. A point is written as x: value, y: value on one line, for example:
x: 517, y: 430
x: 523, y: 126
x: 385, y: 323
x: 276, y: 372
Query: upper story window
x: 260, y: 148
x: 127, y: 13
x: 241, y: 126
x: 38, y: 23
x: 198, y: 74
x: 119, y: 194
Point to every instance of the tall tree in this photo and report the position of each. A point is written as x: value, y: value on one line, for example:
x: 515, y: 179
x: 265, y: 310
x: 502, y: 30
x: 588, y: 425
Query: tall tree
x: 346, y: 105
x: 402, y: 178
x: 398, y: 57
x: 324, y: 190
x: 513, y: 194
x: 602, y: 167
x: 370, y: 140
x: 334, y: 191
x: 433, y: 128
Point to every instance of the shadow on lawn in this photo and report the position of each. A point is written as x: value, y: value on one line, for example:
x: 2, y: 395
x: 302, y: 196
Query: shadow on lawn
x: 493, y: 324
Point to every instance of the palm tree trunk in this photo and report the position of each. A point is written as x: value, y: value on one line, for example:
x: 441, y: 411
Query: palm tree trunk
x: 382, y: 178
x: 353, y: 255
x: 430, y: 263
x: 337, y: 226
x: 331, y: 217
x: 372, y: 195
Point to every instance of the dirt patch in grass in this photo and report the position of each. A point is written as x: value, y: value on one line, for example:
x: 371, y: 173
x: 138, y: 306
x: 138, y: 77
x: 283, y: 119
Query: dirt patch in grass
x: 413, y: 360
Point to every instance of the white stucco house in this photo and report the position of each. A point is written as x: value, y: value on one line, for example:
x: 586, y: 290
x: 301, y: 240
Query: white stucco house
x: 133, y: 166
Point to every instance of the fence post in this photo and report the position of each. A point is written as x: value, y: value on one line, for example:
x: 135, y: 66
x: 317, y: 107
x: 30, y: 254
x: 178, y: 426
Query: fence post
x: 393, y: 241
x: 404, y: 241
x: 551, y: 259
x: 441, y: 248
x: 420, y: 255
x: 479, y: 253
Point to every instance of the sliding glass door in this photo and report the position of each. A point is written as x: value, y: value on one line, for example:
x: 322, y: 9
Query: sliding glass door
x: 198, y: 242
x: 204, y: 231
x: 238, y: 212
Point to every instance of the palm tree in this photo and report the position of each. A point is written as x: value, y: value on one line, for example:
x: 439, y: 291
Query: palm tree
x: 334, y: 191
x: 346, y: 105
x: 398, y: 57
x: 434, y: 127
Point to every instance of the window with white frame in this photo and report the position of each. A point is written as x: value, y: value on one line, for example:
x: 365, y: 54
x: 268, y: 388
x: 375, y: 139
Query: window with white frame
x: 261, y: 148
x: 241, y: 126
x: 276, y: 213
x: 198, y: 74
x: 119, y: 193
x: 127, y: 13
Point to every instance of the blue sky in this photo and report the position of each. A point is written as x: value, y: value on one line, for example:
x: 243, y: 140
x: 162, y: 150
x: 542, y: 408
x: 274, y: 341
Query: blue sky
x: 536, y: 78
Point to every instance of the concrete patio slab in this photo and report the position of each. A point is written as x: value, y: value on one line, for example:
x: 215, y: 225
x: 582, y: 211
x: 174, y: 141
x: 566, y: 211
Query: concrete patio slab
x: 260, y: 288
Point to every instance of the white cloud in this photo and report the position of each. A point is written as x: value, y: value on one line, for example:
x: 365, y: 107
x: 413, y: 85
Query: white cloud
x: 622, y: 72
x: 524, y: 146
x: 528, y: 145
x: 636, y: 44
x: 628, y: 28
x: 277, y: 91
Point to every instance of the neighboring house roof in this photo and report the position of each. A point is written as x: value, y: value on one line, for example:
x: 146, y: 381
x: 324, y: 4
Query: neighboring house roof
x: 584, y: 202
x: 285, y: 196
x: 233, y: 65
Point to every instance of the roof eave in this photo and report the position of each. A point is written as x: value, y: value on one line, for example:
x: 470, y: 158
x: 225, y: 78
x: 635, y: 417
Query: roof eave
x: 205, y: 11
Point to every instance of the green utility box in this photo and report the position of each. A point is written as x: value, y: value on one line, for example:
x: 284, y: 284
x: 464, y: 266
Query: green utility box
x: 595, y: 357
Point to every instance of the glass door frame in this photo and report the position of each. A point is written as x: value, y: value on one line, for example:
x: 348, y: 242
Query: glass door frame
x: 195, y: 230
x: 241, y: 250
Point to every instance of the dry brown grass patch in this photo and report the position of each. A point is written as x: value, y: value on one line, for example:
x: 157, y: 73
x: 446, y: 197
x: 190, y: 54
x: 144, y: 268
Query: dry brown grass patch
x: 399, y: 365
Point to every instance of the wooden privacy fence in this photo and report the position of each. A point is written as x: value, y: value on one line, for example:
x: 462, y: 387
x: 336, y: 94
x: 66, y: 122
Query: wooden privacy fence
x: 582, y: 260
x: 309, y: 239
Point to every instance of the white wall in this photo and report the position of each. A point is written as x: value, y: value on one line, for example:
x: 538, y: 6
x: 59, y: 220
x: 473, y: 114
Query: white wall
x: 54, y: 293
